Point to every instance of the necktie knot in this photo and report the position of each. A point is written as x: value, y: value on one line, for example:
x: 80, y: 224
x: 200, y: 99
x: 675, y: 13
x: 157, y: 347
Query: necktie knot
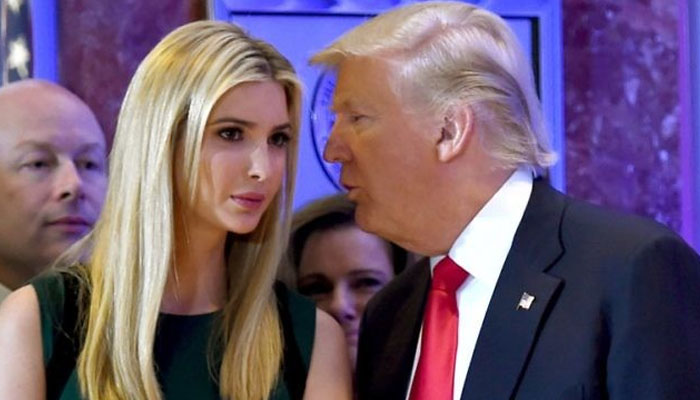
x: 448, y: 276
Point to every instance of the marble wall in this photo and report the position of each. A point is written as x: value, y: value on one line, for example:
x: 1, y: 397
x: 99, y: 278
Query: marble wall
x: 620, y: 72
x: 622, y: 105
x: 101, y: 44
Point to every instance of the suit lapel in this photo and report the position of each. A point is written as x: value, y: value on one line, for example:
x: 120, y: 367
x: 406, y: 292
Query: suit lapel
x: 404, y: 315
x: 508, y: 333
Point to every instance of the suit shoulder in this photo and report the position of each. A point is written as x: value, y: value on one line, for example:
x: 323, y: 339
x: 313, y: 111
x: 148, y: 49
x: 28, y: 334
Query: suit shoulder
x: 404, y: 285
x: 585, y: 224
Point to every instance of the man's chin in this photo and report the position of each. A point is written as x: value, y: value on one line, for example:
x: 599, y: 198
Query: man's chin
x: 364, y: 220
x: 58, y: 247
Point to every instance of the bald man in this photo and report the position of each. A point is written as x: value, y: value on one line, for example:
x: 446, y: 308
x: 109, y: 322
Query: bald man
x: 52, y: 177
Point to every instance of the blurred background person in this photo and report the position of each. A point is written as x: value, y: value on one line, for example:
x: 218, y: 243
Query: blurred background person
x: 332, y: 261
x: 177, y: 297
x: 52, y: 176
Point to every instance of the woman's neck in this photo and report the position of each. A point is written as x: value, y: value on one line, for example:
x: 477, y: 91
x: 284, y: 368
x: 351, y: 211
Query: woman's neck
x: 197, y: 281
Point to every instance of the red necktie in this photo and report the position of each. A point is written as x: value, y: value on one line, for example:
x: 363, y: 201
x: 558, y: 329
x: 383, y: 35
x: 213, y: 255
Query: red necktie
x: 434, y: 378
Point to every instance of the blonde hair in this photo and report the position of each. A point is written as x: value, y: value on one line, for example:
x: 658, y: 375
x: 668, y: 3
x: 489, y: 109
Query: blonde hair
x: 448, y: 54
x: 169, y: 99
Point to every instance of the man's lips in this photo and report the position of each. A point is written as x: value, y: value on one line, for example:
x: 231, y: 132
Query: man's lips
x: 70, y: 224
x: 70, y: 220
x: 351, y: 189
x: 347, y: 186
x: 249, y: 200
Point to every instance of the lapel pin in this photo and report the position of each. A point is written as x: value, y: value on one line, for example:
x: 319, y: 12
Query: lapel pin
x: 525, y: 301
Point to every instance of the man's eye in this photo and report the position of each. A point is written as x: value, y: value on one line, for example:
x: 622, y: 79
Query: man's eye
x: 356, y: 117
x: 91, y: 165
x: 37, y: 164
x: 279, y: 139
x: 231, y: 134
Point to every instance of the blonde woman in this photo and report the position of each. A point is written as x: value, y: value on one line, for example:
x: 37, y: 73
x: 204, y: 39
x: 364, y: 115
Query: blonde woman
x: 176, y: 297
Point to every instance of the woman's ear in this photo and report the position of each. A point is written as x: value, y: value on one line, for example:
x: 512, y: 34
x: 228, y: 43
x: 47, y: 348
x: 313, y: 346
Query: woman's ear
x: 456, y: 133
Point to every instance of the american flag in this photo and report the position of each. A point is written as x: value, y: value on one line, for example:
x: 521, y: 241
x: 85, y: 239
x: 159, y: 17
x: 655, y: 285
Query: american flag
x: 15, y: 40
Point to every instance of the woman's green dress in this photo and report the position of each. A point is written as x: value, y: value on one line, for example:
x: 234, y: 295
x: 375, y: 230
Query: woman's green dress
x: 182, y: 343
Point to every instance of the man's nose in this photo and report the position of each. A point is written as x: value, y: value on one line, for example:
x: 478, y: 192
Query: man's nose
x: 336, y: 150
x: 69, y: 183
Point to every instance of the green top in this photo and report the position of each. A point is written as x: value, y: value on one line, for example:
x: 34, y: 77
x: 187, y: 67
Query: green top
x: 181, y: 345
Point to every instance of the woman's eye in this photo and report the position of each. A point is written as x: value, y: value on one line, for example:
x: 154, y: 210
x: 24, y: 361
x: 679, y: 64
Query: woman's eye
x: 231, y: 134
x: 368, y: 283
x: 279, y: 139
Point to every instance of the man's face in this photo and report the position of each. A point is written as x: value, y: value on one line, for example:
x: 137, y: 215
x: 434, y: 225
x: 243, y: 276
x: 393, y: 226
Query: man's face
x: 52, y: 176
x: 385, y: 147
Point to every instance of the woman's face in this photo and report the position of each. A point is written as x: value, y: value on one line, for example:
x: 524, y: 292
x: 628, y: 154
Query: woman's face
x: 243, y: 157
x: 341, y: 269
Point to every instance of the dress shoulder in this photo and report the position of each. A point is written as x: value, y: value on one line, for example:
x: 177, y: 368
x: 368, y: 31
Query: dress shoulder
x: 50, y: 291
x: 302, y: 313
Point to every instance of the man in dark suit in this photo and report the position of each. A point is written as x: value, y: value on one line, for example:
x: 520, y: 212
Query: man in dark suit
x: 528, y: 294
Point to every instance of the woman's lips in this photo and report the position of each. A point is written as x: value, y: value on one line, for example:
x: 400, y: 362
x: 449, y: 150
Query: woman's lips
x: 352, y: 336
x: 251, y: 201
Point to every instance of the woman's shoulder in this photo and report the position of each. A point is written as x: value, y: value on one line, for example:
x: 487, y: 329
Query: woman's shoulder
x: 19, y: 311
x: 20, y: 345
x: 329, y: 374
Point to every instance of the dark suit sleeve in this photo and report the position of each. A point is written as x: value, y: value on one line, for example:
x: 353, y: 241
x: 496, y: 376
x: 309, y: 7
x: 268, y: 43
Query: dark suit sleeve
x: 654, y: 319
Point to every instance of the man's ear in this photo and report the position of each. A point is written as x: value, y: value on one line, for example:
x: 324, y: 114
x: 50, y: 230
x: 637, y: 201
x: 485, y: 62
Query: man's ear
x: 456, y: 132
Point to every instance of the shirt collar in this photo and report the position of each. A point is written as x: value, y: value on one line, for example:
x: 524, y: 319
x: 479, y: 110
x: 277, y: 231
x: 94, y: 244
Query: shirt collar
x: 481, y: 248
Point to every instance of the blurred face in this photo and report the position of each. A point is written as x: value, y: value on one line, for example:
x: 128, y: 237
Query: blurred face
x: 341, y: 269
x: 243, y: 157
x: 52, y: 176
x: 385, y: 150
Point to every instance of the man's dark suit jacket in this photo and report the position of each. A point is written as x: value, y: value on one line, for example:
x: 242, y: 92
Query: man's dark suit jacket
x: 616, y: 313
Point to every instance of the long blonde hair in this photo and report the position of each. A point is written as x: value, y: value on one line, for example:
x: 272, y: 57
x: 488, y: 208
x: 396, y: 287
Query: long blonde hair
x: 168, y: 100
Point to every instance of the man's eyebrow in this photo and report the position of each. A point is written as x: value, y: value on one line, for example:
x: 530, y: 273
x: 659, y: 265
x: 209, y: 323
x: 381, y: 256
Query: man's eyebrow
x: 33, y: 144
x: 91, y: 146
x: 342, y: 103
x: 41, y: 145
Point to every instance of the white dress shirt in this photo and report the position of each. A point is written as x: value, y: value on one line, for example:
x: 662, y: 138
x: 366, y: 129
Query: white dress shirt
x: 481, y: 249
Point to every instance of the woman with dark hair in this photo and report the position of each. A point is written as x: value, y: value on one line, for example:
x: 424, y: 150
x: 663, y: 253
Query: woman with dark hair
x: 331, y: 260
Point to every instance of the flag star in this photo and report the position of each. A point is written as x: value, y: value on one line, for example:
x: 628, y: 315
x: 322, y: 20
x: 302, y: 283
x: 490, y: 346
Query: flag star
x: 19, y: 57
x: 15, y: 5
